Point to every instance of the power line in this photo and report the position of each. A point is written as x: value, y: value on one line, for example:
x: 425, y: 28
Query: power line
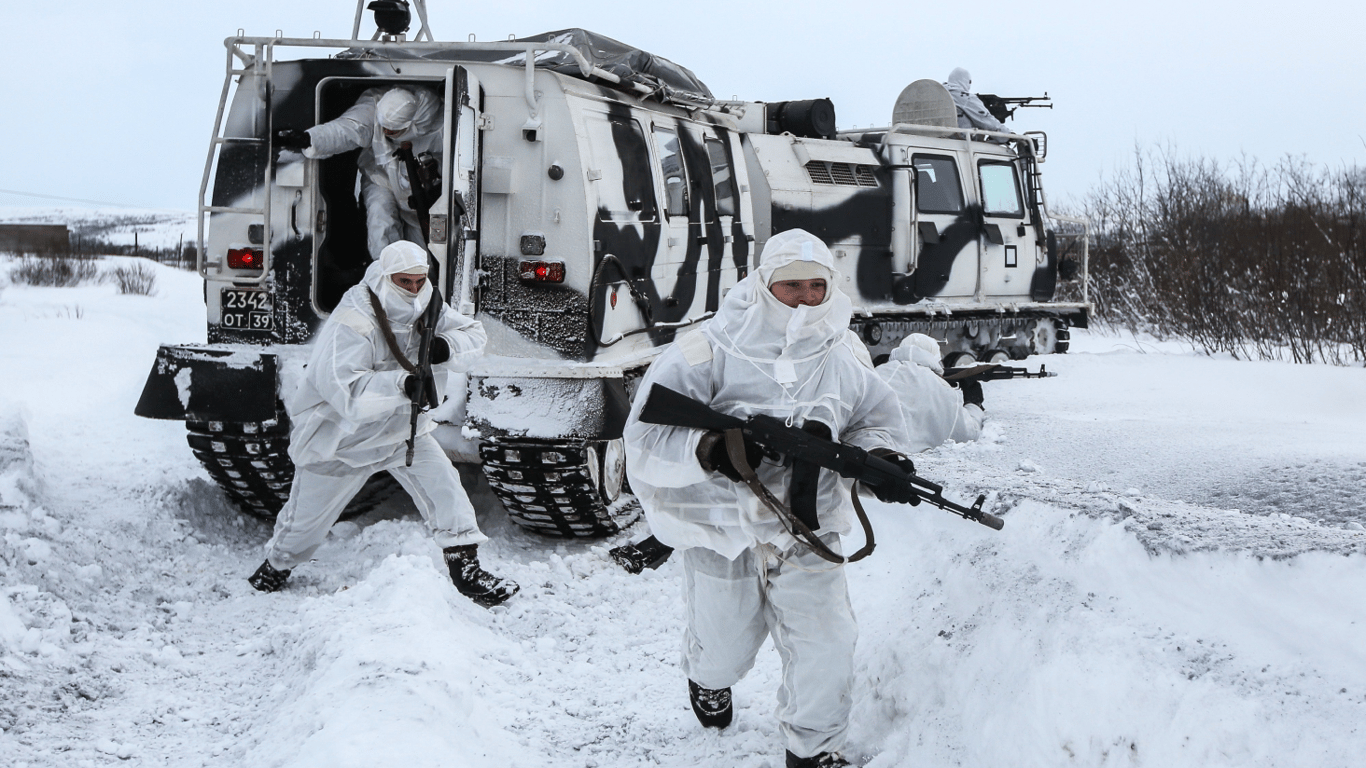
x: 82, y: 200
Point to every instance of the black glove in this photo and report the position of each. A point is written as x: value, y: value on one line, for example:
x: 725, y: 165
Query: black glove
x: 972, y: 392
x: 292, y: 138
x: 410, y: 388
x: 891, y: 493
x: 441, y: 351
x: 713, y: 456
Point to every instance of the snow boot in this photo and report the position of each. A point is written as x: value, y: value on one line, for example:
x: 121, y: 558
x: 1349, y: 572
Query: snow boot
x: 647, y: 553
x: 712, y: 707
x: 823, y: 760
x: 267, y: 579
x: 473, y: 581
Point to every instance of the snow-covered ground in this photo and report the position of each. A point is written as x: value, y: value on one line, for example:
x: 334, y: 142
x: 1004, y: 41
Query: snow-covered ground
x: 1179, y: 583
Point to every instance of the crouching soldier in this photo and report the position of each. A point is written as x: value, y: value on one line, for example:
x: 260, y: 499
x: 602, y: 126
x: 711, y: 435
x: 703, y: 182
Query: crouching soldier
x: 779, y: 345
x: 351, y: 418
x: 935, y: 411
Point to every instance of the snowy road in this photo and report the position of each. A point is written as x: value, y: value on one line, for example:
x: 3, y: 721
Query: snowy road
x: 1124, y: 617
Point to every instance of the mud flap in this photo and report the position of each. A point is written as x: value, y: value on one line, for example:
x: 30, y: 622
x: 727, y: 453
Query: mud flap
x: 1045, y: 280
x: 202, y: 383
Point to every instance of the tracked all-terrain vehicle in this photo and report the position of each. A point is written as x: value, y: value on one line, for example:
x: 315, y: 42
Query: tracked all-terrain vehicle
x: 596, y: 202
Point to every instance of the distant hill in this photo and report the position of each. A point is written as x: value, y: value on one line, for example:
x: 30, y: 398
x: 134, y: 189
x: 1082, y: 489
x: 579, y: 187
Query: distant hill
x: 158, y: 229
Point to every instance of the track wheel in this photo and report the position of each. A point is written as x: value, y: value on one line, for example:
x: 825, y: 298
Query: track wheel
x: 565, y: 488
x: 959, y: 360
x: 250, y: 462
x: 1064, y: 341
x: 1043, y: 339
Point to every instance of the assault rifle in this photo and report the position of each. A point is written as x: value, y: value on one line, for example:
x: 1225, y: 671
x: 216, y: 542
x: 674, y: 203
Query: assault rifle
x: 425, y: 181
x: 993, y: 372
x: 426, y: 187
x: 667, y: 407
x: 1000, y: 106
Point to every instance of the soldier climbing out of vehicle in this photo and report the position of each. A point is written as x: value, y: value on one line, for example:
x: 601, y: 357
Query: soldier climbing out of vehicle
x: 352, y: 416
x: 779, y: 345
x: 380, y: 124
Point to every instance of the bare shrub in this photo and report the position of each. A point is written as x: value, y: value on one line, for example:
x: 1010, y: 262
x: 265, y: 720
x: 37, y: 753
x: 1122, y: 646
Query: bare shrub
x: 137, y: 279
x: 1238, y: 259
x: 58, y: 271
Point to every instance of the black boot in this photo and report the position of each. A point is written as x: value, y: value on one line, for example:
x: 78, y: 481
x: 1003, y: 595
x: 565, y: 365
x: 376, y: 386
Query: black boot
x: 267, y: 579
x: 823, y: 760
x: 647, y: 553
x: 712, y: 707
x: 474, y: 582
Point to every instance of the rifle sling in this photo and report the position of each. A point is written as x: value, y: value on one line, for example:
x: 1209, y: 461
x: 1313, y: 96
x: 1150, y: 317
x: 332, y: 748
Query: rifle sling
x: 735, y: 448
x: 387, y: 331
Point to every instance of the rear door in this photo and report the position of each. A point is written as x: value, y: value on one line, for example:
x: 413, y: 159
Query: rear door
x: 455, y: 215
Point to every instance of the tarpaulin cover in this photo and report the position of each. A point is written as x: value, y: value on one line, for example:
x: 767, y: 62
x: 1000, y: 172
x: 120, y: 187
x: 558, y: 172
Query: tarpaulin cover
x: 668, y: 81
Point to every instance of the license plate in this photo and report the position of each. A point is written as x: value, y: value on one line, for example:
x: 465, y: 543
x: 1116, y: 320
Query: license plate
x: 247, y: 310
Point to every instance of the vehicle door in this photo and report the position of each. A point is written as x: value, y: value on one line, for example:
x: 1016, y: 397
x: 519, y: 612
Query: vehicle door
x: 675, y: 194
x: 947, y: 229
x: 725, y: 237
x: 1008, y: 250
x: 454, y: 216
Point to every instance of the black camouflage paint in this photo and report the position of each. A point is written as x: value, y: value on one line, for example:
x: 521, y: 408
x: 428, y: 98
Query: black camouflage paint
x: 635, y: 251
x: 866, y: 214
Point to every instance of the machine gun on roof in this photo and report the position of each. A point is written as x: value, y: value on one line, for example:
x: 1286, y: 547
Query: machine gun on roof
x: 1001, y: 107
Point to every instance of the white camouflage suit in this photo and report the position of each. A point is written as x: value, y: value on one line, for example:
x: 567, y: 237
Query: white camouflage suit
x: 384, y: 179
x: 745, y: 577
x: 972, y: 113
x: 351, y: 417
x: 934, y: 410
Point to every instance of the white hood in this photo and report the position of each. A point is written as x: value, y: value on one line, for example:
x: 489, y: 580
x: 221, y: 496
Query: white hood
x: 919, y: 349
x: 783, y: 343
x: 400, y: 305
x: 418, y: 114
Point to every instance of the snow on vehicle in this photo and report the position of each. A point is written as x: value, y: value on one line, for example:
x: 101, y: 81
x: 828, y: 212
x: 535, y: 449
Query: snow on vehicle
x: 596, y: 202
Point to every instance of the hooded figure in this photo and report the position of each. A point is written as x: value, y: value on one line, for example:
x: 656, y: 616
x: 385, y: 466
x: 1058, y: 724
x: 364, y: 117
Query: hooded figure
x: 935, y: 411
x: 351, y: 418
x: 745, y: 576
x: 972, y: 113
x: 378, y: 124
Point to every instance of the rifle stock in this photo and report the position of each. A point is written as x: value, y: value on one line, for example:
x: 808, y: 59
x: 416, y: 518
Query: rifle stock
x: 666, y: 407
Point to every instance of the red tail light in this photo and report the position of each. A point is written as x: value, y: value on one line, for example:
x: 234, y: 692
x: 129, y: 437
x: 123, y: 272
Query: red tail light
x: 541, y: 271
x: 245, y: 258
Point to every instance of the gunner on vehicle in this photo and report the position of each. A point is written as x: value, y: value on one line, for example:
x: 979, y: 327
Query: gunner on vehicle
x: 779, y: 345
x: 972, y: 113
x: 351, y: 415
x: 380, y: 122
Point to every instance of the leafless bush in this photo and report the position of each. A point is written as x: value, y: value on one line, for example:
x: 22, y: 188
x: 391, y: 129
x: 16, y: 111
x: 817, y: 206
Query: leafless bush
x: 56, y: 271
x: 1240, y: 259
x: 137, y: 279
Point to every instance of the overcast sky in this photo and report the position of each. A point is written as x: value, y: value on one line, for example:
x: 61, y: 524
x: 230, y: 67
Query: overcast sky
x: 114, y: 102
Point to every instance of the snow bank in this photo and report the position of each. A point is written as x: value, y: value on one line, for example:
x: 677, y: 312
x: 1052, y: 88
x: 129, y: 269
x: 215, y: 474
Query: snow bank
x: 388, y: 672
x: 1064, y: 641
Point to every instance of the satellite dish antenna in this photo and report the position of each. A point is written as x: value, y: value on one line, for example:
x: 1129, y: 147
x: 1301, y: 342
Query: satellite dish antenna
x: 925, y: 102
